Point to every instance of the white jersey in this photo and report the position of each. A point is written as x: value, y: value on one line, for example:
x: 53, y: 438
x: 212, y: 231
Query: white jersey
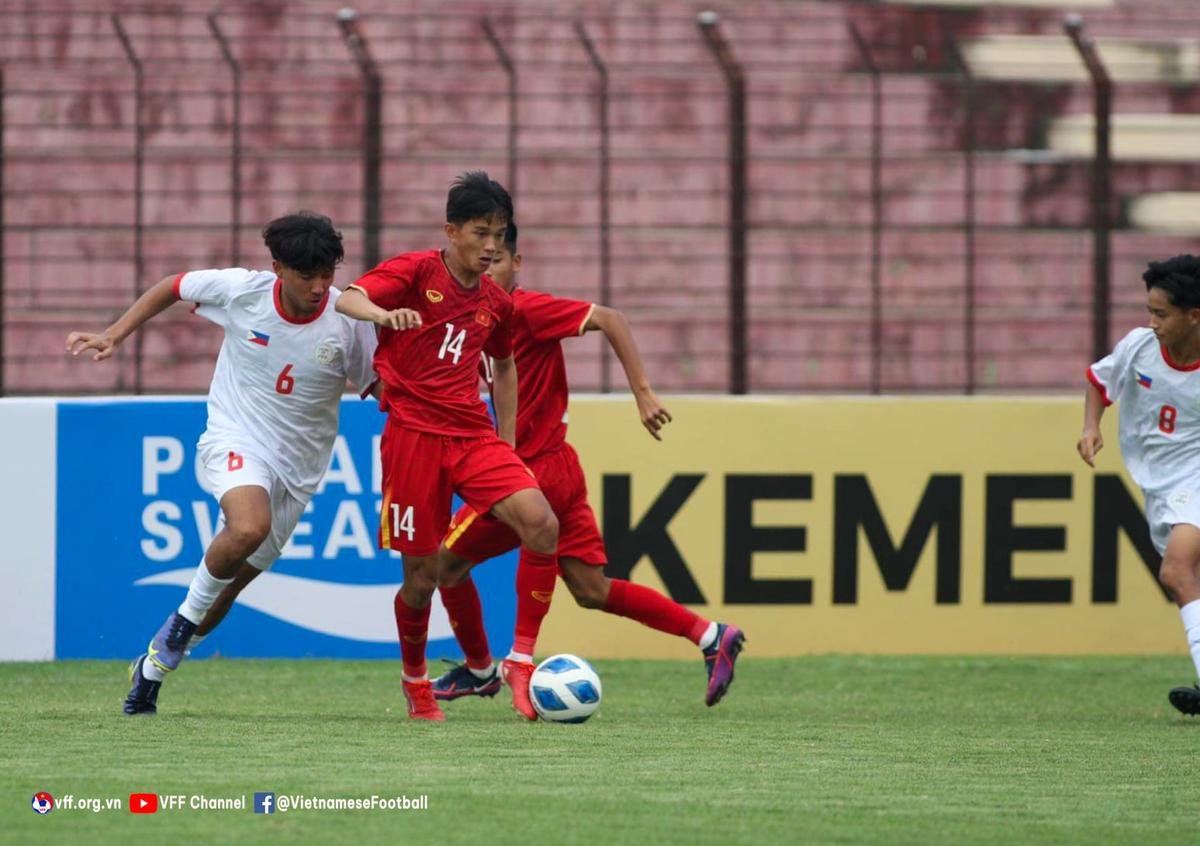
x: 278, y: 382
x: 1159, y: 411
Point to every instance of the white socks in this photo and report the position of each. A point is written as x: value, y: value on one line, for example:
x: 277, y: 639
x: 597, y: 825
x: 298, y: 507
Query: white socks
x: 519, y: 657
x: 484, y: 673
x: 1191, y: 625
x: 151, y: 671
x: 202, y: 594
x: 710, y: 635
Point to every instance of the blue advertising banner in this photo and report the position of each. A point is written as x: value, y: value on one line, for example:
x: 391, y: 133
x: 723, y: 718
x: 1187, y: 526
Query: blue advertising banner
x: 133, y: 520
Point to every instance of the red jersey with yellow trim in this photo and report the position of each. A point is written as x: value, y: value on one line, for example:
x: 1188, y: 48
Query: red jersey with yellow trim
x: 430, y: 373
x: 540, y: 323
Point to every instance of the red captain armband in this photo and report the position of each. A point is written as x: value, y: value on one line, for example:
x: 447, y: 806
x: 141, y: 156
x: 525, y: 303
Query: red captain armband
x: 175, y: 285
x: 1099, y: 386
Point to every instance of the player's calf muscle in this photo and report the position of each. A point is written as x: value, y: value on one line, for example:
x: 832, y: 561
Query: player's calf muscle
x: 587, y: 583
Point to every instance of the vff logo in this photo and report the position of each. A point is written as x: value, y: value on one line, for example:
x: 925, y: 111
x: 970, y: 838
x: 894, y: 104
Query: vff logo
x: 264, y: 803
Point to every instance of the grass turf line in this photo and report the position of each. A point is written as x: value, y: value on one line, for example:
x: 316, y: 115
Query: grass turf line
x: 825, y: 749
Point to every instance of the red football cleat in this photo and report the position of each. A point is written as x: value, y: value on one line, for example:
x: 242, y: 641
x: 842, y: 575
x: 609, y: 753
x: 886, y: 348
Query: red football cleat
x: 516, y: 675
x: 421, y: 704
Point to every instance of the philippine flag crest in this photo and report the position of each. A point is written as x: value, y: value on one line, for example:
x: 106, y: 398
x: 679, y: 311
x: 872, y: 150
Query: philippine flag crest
x: 260, y: 338
x: 1143, y: 379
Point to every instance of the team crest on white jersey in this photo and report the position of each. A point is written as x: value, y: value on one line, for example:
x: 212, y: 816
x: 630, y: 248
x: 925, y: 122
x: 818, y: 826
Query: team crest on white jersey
x: 326, y: 352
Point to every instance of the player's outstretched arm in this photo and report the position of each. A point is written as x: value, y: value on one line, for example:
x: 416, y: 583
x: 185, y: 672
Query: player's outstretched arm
x: 504, y: 398
x: 159, y: 297
x: 616, y: 329
x: 354, y: 303
x: 1091, y: 441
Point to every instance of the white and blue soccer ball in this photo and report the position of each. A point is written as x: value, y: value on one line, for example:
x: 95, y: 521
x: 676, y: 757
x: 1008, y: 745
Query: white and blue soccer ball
x: 565, y: 689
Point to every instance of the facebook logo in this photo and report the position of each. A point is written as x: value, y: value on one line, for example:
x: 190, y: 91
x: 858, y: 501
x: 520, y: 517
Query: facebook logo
x: 264, y: 803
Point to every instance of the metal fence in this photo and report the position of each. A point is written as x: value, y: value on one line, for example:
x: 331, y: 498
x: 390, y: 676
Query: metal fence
x: 782, y: 196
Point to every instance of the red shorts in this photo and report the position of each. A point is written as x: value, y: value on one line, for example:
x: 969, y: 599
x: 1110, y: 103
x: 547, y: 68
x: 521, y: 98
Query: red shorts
x: 421, y: 472
x: 477, y: 536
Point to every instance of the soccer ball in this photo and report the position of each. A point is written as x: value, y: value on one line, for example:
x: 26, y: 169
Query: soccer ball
x: 565, y: 689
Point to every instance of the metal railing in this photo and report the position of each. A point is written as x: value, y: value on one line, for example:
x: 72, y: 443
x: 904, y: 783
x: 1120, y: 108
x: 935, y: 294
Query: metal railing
x: 786, y: 197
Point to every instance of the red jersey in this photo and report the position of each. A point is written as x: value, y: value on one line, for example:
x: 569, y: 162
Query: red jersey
x: 430, y: 377
x: 540, y: 322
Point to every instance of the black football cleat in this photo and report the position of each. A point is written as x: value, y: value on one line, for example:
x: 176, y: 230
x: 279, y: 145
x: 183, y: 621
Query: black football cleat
x: 1186, y: 699
x: 143, y: 695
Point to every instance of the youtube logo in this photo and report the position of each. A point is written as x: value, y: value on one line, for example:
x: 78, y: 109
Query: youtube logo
x: 143, y: 803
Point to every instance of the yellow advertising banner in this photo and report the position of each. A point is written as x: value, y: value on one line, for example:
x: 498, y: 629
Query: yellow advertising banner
x: 869, y: 525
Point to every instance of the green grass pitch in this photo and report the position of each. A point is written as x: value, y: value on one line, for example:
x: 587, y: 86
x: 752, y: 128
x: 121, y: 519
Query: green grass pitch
x: 805, y: 750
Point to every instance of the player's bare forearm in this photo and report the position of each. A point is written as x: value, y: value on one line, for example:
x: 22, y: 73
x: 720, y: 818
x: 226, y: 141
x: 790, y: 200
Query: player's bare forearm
x: 357, y: 305
x: 620, y: 337
x: 155, y: 300
x: 354, y: 303
x: 504, y: 398
x: 1091, y: 441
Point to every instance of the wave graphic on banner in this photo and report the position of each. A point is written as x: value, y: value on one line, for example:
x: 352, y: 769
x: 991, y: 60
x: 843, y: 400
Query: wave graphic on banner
x: 353, y: 612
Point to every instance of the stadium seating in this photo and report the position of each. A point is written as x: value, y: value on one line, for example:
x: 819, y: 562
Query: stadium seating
x: 1051, y: 58
x: 68, y: 142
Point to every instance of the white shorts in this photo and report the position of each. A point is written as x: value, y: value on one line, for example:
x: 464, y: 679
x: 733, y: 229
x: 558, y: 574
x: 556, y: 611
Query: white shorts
x: 1167, y: 509
x: 226, y: 470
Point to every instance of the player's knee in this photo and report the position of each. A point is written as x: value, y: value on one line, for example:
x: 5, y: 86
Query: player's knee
x: 1176, y: 575
x: 247, y: 535
x: 421, y: 578
x: 541, y: 530
x: 451, y: 570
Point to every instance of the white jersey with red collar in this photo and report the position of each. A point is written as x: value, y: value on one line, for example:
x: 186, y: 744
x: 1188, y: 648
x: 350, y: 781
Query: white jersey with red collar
x: 279, y: 381
x: 1159, y: 411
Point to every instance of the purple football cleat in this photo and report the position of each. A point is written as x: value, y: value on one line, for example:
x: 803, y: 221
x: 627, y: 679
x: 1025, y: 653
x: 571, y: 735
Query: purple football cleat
x: 170, y: 643
x: 719, y: 659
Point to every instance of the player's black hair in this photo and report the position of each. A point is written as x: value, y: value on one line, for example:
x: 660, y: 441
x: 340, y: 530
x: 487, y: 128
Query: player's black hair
x: 510, y: 237
x: 1179, y: 279
x: 476, y: 195
x: 305, y: 241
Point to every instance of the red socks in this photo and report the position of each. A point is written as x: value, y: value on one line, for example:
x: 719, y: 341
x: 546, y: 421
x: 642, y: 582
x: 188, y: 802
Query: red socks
x: 651, y: 608
x: 413, y: 627
x: 466, y: 618
x: 536, y: 573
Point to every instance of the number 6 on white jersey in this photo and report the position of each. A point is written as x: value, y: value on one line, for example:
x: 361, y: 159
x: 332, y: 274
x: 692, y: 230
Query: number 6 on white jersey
x: 402, y: 522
